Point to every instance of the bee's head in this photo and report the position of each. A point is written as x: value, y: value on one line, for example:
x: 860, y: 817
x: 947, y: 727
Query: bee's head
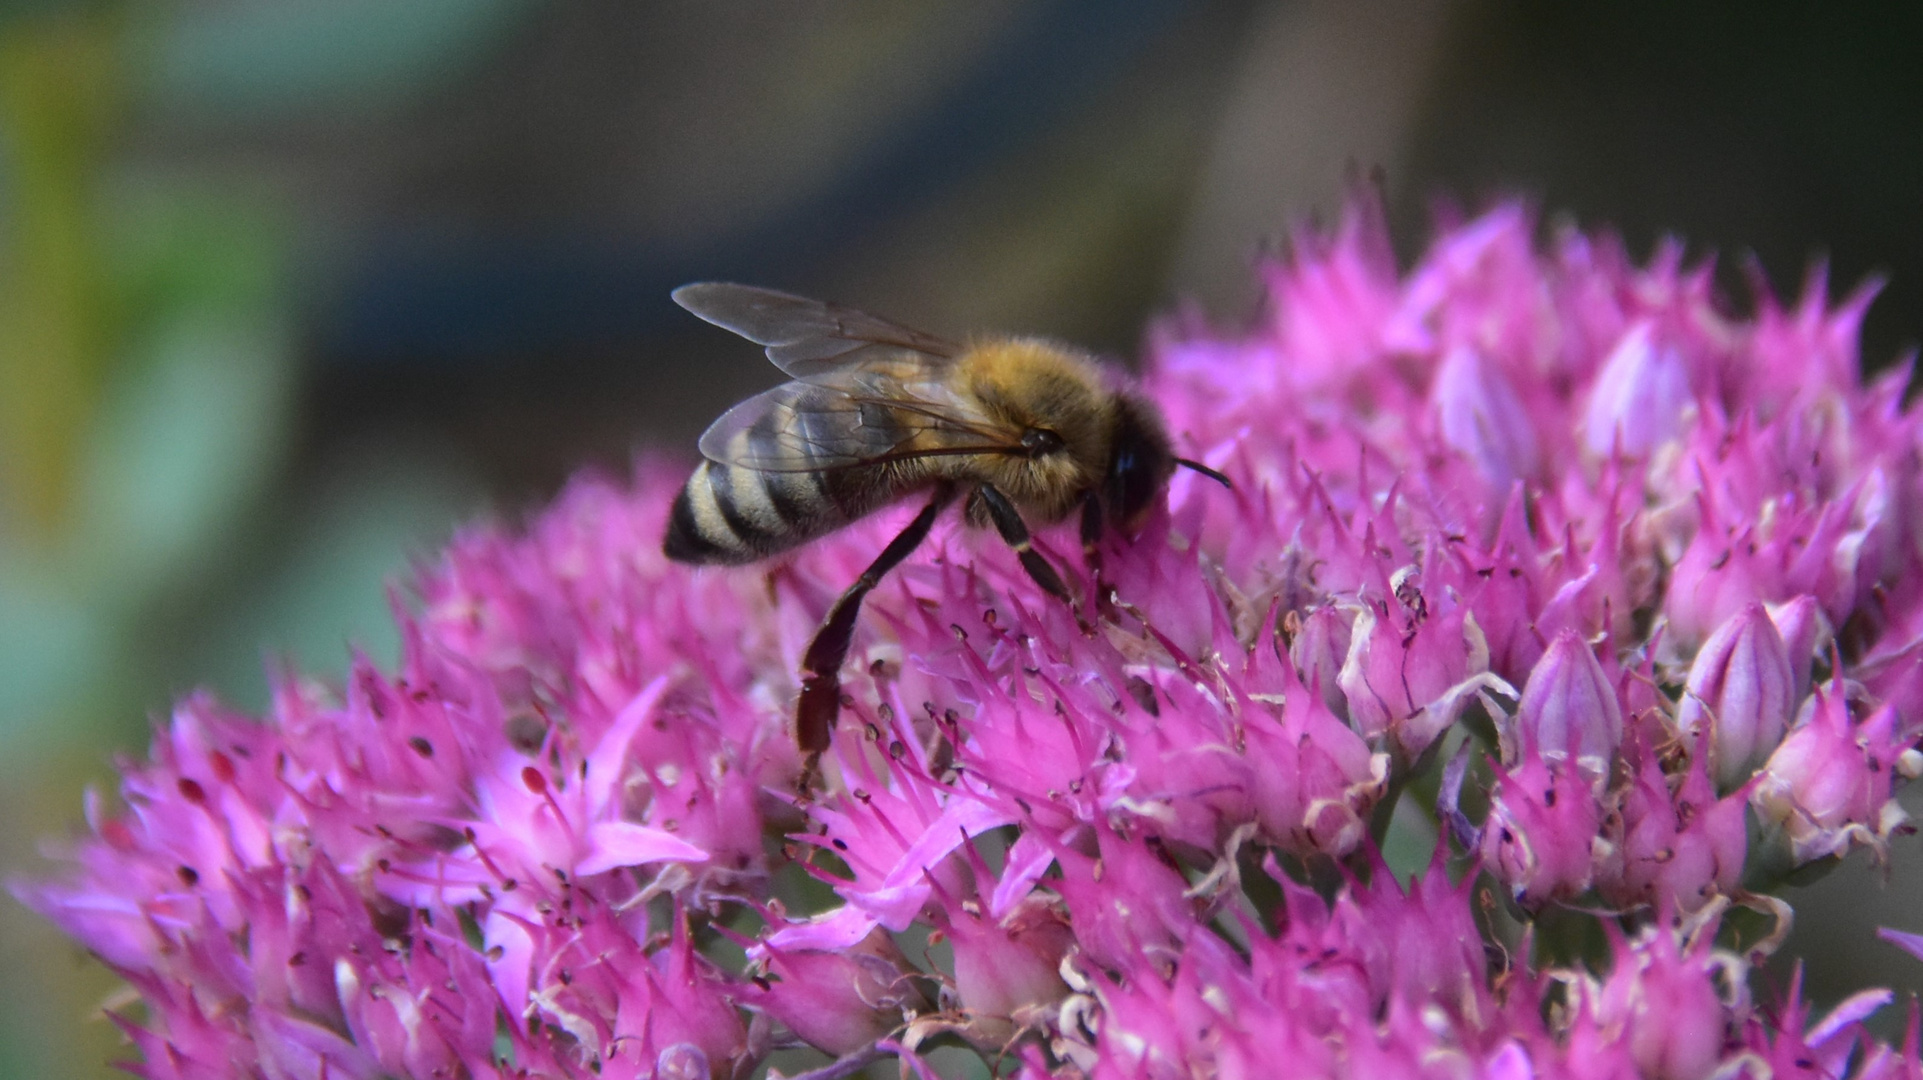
x: 1139, y: 463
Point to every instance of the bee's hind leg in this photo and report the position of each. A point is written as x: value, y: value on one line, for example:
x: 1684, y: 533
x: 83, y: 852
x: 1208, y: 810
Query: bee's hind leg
x: 820, y: 702
x: 1015, y: 532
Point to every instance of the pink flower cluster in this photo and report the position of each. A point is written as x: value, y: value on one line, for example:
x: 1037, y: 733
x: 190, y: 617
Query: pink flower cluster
x: 1636, y: 583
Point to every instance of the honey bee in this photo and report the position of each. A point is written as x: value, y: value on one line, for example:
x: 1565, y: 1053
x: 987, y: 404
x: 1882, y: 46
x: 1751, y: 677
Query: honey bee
x: 1020, y: 429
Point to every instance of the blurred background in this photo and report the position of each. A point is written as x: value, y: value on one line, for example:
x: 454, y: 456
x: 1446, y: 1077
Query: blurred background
x: 287, y: 291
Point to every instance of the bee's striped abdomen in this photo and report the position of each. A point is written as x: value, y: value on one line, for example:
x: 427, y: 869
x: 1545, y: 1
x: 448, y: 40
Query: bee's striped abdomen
x: 730, y: 515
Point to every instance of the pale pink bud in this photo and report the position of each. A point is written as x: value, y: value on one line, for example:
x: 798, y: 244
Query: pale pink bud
x: 1741, y: 686
x: 1640, y: 398
x: 1482, y: 418
x: 1806, y: 632
x: 1569, y: 708
x: 1717, y: 574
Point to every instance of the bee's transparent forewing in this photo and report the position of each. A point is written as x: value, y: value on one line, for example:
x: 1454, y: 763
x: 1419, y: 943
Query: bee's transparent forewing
x: 808, y: 339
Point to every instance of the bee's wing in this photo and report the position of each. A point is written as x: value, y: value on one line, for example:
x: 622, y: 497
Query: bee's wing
x: 861, y: 417
x: 808, y: 339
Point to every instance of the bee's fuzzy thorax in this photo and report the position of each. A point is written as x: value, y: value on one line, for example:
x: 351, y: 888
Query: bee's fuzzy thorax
x: 1025, y: 383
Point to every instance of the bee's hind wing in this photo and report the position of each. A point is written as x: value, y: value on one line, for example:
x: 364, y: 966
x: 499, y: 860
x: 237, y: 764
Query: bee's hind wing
x: 808, y: 339
x: 796, y: 427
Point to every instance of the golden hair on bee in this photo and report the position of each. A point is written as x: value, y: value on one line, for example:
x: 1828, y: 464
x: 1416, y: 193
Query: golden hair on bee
x: 1024, y: 385
x: 1020, y: 429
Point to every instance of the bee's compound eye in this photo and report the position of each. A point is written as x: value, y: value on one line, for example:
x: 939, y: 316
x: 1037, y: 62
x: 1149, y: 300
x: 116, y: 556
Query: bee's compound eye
x: 1039, y: 441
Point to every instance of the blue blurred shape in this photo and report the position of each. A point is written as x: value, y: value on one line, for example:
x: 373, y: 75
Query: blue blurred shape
x: 267, y: 60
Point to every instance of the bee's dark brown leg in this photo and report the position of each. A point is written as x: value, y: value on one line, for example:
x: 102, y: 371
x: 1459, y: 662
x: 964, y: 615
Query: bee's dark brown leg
x: 1015, y: 533
x: 820, y: 700
x: 1092, y: 524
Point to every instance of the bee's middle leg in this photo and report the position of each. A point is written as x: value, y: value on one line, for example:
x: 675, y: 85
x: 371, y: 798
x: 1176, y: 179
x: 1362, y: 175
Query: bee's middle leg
x: 820, y: 702
x: 1092, y: 526
x: 1015, y: 533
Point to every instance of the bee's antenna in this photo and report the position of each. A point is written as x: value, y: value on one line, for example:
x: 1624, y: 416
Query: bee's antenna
x: 1205, y: 471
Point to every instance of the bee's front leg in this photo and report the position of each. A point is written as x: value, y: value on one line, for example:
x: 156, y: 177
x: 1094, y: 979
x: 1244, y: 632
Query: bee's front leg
x: 820, y: 703
x: 1015, y: 533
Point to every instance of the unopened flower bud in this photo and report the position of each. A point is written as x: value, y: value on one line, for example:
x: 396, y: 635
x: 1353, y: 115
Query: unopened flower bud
x: 1741, y: 686
x: 1482, y: 418
x: 1569, y: 709
x: 1639, y: 400
x: 682, y: 1061
x: 1806, y: 632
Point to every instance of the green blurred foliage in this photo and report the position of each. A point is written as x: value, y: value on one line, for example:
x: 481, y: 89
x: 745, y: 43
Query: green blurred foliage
x: 148, y: 379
